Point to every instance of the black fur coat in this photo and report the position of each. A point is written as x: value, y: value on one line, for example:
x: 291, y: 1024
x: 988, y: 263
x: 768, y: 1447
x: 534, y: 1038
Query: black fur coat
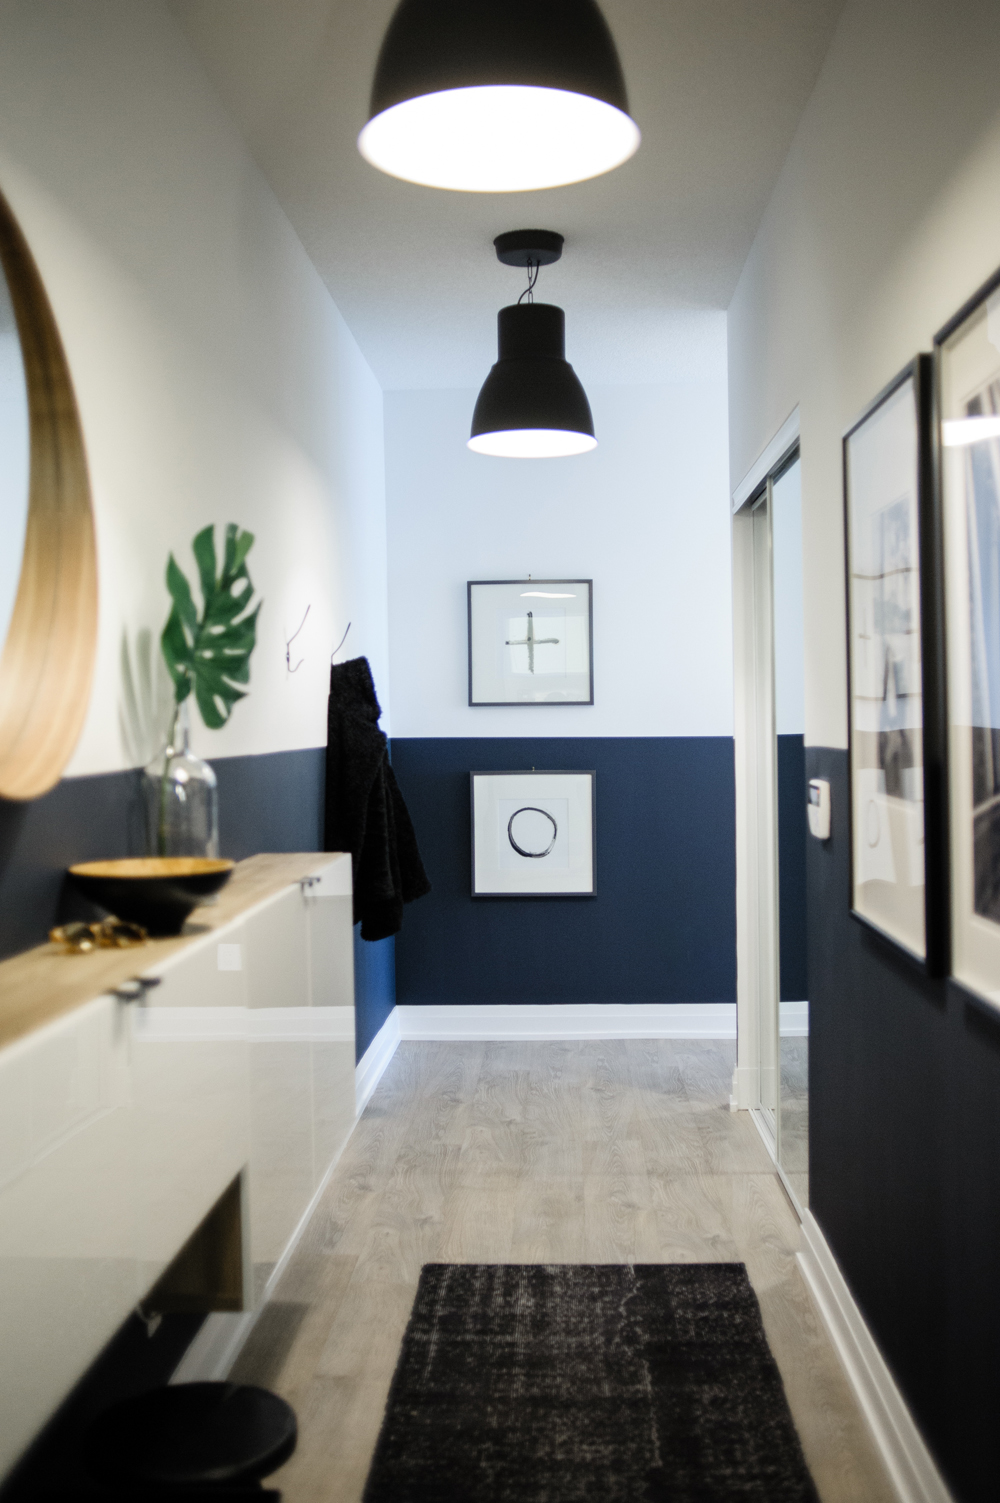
x: 365, y: 812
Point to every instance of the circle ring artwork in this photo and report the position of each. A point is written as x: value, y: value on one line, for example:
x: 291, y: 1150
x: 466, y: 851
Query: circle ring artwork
x: 531, y: 809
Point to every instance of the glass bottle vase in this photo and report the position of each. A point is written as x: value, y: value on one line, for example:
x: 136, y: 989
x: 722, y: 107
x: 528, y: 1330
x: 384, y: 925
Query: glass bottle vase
x: 181, y: 799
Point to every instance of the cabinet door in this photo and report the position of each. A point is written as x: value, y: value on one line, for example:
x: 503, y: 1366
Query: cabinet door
x: 67, y: 1228
x: 280, y: 1033
x: 331, y: 965
x: 189, y: 1072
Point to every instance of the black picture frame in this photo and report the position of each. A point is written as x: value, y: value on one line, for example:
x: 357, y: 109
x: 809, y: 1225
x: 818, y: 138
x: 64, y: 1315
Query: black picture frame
x: 932, y: 955
x: 974, y: 933
x: 474, y: 584
x: 535, y: 772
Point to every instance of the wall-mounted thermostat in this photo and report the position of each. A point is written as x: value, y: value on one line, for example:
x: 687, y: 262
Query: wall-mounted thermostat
x: 819, y: 808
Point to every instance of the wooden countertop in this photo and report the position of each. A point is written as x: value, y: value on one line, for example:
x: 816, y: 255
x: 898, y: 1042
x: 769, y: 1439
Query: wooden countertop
x: 45, y: 982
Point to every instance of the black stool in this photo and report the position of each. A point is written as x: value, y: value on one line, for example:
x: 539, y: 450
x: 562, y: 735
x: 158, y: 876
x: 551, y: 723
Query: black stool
x: 191, y: 1439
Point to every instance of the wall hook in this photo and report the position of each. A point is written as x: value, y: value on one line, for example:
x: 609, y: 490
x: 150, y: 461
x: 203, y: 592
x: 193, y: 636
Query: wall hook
x: 340, y: 643
x: 291, y: 639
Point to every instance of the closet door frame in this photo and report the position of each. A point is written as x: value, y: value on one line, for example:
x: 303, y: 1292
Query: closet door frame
x: 755, y: 748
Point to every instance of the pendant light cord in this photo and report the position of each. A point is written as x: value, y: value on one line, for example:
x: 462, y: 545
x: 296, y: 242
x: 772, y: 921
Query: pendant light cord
x: 529, y: 291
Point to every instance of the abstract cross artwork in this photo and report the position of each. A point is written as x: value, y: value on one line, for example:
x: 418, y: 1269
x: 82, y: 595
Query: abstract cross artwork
x: 530, y: 641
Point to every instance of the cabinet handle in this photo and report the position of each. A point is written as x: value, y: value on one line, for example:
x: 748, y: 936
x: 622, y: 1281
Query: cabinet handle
x: 136, y: 988
x: 306, y: 882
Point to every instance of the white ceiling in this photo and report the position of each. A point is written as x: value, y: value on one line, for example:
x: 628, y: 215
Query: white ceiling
x: 717, y: 87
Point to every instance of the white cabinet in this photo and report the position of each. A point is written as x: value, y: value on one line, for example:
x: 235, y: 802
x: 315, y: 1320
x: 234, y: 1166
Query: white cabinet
x: 281, y: 1105
x: 67, y: 1216
x: 331, y: 968
x: 122, y: 1123
x: 300, y: 995
x: 190, y: 1128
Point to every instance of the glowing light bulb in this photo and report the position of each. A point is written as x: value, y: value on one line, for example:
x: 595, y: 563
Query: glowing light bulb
x: 499, y: 138
x: 532, y: 443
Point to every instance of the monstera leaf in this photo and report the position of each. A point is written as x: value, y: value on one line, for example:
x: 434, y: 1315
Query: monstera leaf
x: 210, y: 654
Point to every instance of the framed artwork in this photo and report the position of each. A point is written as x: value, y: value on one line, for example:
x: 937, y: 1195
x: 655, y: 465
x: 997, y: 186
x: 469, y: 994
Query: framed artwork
x: 968, y: 353
x: 531, y: 642
x: 533, y: 834
x: 895, y: 668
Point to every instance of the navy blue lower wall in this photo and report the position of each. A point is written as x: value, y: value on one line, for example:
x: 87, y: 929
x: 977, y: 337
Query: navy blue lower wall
x: 267, y: 803
x: 663, y: 925
x: 904, y: 1160
x: 374, y: 987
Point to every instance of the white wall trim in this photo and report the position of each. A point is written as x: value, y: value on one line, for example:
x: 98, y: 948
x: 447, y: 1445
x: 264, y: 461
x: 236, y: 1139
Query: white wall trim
x: 371, y: 1065
x: 582, y: 1020
x: 783, y: 441
x: 905, y: 1456
x: 793, y: 1020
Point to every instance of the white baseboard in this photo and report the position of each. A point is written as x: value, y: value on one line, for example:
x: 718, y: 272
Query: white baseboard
x: 582, y: 1020
x: 793, y: 1020
x: 911, y: 1467
x: 371, y: 1065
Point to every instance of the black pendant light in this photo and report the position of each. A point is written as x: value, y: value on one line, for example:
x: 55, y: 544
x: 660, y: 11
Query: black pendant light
x: 488, y: 96
x: 531, y: 405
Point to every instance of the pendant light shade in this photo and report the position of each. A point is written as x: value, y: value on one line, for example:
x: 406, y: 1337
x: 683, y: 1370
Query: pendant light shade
x: 532, y: 405
x: 486, y: 96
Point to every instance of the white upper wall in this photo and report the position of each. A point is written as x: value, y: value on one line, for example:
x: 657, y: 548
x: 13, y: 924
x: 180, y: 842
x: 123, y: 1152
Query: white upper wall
x: 645, y: 515
x: 216, y: 379
x: 886, y: 217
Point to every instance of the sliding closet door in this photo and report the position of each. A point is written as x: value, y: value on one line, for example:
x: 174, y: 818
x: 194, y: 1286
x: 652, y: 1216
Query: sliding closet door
x: 765, y: 876
x: 790, y: 809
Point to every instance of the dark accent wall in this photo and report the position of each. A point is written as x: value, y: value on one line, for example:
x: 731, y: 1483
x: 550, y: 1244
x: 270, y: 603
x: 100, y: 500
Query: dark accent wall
x: 374, y: 986
x: 905, y: 1160
x: 272, y: 802
x: 792, y: 828
x: 267, y: 803
x: 663, y: 925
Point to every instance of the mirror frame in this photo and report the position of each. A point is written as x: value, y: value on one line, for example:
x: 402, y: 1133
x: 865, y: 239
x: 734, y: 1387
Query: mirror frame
x: 47, y: 660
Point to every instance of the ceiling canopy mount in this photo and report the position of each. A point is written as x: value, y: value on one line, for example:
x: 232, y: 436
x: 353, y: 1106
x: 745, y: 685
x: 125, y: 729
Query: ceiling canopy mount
x: 529, y: 247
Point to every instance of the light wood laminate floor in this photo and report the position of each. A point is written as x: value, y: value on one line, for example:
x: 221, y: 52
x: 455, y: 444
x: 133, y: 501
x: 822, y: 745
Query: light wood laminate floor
x: 591, y: 1152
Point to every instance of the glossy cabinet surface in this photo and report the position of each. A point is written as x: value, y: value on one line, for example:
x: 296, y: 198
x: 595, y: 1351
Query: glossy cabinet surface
x: 68, y: 1274
x: 281, y: 1105
x: 190, y: 1127
x: 121, y: 1124
x: 331, y: 969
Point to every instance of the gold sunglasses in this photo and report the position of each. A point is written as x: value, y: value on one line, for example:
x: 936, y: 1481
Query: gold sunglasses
x: 110, y: 934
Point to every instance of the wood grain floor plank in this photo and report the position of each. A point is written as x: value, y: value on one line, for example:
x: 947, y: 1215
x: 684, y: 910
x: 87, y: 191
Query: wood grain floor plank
x: 589, y: 1151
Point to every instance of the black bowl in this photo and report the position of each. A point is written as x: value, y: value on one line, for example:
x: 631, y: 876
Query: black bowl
x: 157, y: 892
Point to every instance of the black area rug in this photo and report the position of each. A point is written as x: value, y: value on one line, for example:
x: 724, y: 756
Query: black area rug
x: 578, y: 1383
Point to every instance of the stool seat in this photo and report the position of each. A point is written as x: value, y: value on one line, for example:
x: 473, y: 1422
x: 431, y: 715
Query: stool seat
x: 192, y: 1435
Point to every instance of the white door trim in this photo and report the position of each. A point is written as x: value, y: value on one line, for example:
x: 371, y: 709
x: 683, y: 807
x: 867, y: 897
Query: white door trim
x: 769, y: 459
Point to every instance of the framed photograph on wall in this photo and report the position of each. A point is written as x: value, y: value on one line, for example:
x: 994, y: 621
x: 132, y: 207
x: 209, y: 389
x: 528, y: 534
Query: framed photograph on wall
x: 533, y: 834
x: 531, y: 642
x: 895, y: 667
x: 968, y: 354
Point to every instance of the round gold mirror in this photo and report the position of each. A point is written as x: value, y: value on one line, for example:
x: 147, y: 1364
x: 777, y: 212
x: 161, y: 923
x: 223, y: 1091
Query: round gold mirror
x: 48, y: 563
